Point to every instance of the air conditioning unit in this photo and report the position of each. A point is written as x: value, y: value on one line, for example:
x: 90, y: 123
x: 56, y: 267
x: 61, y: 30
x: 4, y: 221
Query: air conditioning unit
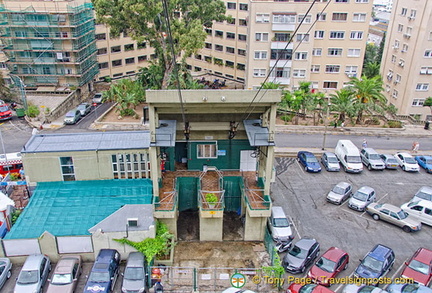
x: 423, y: 71
x: 411, y: 17
x: 403, y: 51
x: 395, y: 48
x: 401, y: 63
x: 407, y: 36
x: 395, y: 82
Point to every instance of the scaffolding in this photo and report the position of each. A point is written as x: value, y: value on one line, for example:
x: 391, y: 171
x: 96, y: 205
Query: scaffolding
x: 49, y: 43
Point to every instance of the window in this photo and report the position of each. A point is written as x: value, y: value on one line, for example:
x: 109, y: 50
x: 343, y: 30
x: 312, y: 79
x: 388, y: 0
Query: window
x: 280, y: 72
x: 341, y: 1
x: 315, y: 68
x: 241, y: 52
x: 262, y: 17
x: 321, y: 16
x: 261, y: 37
x: 351, y: 70
x: 330, y: 84
x: 356, y: 35
x: 229, y: 64
x: 115, y: 49
x: 196, y: 68
x: 362, y: 1
x: 393, y: 59
x: 231, y: 20
x: 302, y: 37
x: 404, y: 48
x: 332, y: 68
x: 337, y: 35
x: 259, y: 73
x: 130, y: 60
x: 230, y: 36
x: 428, y: 53
x: 241, y: 37
x: 208, y: 45
x: 316, y: 51
x: 260, y: 55
x: 422, y: 87
x: 103, y: 65
x: 206, y: 151
x: 242, y: 22
x: 100, y: 36
x: 208, y: 59
x: 142, y: 58
x: 231, y: 5
x: 339, y: 16
x: 281, y: 54
x: 131, y: 166
x: 400, y: 28
x: 208, y: 31
x: 282, y: 37
x: 218, y: 47
x: 230, y: 50
x: 359, y: 17
x: 219, y: 34
x: 283, y: 18
x: 299, y: 73
x: 142, y: 45
x: 398, y: 78
x: 243, y: 6
x: 396, y: 44
x: 319, y: 34
x: 395, y: 94
x: 128, y: 47
x: 117, y: 62
x: 335, y: 52
x: 241, y: 66
x: 198, y: 56
x: 300, y: 56
x: 118, y: 74
x: 353, y: 52
x: 413, y: 14
x: 426, y: 70
x: 307, y: 19
x: 67, y: 168
x: 404, y: 11
x: 102, y: 51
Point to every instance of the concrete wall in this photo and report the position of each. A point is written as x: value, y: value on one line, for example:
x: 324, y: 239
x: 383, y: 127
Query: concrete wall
x: 211, y: 229
x: 254, y: 228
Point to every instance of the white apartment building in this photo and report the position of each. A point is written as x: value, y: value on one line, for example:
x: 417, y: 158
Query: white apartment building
x: 327, y: 49
x: 407, y: 60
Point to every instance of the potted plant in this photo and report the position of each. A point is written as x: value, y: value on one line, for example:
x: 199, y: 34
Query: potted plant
x: 211, y: 199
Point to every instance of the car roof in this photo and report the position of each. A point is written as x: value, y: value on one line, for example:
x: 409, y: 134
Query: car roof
x: 425, y: 189
x: 366, y: 189
x: 329, y: 154
x: 71, y: 112
x: 33, y: 262
x: 105, y: 255
x: 305, y: 243
x: 65, y: 264
x: 135, y: 259
x: 379, y: 252
x: 391, y: 207
x: 370, y: 150
x: 334, y: 253
x: 404, y: 154
x: 388, y: 156
x: 343, y: 184
x: 424, y: 254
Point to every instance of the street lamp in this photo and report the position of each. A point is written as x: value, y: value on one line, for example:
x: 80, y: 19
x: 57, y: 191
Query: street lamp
x: 326, y: 122
x: 18, y: 81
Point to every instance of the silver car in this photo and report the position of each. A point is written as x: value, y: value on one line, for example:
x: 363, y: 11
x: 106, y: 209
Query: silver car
x: 5, y: 270
x: 341, y: 192
x: 393, y: 215
x: 330, y: 162
x: 134, y: 277
x: 33, y: 275
x: 390, y: 161
x: 84, y: 108
x: 361, y: 198
x: 371, y: 159
x: 424, y: 192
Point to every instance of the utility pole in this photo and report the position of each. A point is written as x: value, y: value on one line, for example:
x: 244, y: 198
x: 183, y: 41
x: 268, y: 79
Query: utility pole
x: 326, y: 122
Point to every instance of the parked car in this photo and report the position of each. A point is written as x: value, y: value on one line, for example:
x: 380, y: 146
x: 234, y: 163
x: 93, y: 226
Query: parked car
x: 301, y: 255
x: 84, y: 108
x: 308, y: 288
x: 425, y: 162
x: 330, y: 162
x: 328, y: 266
x: 135, y: 273
x: 65, y: 276
x: 280, y: 228
x: 405, y: 288
x: 390, y: 161
x: 340, y: 192
x: 419, y: 267
x: 353, y: 288
x: 97, y: 98
x: 5, y: 270
x: 309, y: 161
x: 394, y: 215
x: 104, y: 272
x: 349, y: 156
x: 371, y: 159
x: 361, y: 198
x: 72, y: 117
x: 407, y: 162
x: 424, y: 192
x: 420, y: 210
x: 33, y: 274
x: 376, y: 263
x: 5, y: 111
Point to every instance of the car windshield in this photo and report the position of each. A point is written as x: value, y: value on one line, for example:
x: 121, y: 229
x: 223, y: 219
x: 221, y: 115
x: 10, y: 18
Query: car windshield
x: 372, y: 264
x: 375, y: 157
x: 134, y: 273
x: 99, y: 277
x: 311, y: 160
x: 367, y: 289
x: 402, y: 215
x: 28, y: 277
x: 409, y: 160
x: 326, y: 264
x: 70, y: 114
x: 298, y: 252
x: 410, y: 288
x: 60, y: 279
x: 81, y: 107
x: 5, y: 108
x: 419, y: 267
x: 332, y: 160
x: 360, y: 196
x: 281, y: 222
x: 338, y: 190
x: 307, y: 288
x: 353, y: 159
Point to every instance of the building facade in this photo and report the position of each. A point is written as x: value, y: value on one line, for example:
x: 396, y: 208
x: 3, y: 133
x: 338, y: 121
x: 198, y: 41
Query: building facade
x: 407, y: 60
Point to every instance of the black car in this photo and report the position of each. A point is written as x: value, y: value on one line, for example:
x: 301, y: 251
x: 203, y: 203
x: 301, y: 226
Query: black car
x: 301, y: 255
x: 104, y: 272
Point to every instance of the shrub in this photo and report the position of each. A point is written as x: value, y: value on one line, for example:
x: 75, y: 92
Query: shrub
x: 32, y: 111
x: 127, y: 112
x: 394, y: 124
x: 211, y: 198
x: 286, y: 118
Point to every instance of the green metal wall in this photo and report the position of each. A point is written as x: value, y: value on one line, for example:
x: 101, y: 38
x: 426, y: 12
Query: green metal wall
x: 188, y: 193
x: 232, y: 197
x: 228, y: 157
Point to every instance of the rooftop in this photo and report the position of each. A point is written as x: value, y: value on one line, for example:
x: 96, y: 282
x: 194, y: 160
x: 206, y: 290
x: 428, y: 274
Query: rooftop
x: 71, y: 208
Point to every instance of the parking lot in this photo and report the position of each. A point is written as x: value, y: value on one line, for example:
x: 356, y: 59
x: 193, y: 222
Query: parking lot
x: 303, y: 197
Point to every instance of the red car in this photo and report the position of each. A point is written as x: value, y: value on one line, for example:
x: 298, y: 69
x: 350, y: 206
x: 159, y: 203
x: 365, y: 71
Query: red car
x: 308, y: 288
x: 328, y: 266
x: 419, y: 268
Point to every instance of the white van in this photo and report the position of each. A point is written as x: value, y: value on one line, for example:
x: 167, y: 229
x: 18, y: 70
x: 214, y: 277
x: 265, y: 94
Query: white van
x: 349, y: 156
x: 421, y: 210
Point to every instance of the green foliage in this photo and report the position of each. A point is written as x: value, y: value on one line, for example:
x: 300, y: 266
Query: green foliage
x: 276, y: 270
x: 152, y: 247
x: 14, y: 176
x: 394, y: 124
x: 428, y: 103
x: 371, y: 69
x: 286, y: 118
x: 151, y: 77
x: 127, y: 94
x: 271, y: 85
x: 32, y: 111
x: 14, y: 216
x: 211, y: 198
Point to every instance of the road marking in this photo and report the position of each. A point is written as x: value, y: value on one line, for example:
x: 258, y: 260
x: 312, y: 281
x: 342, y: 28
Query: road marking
x: 382, y: 198
x: 399, y: 268
x: 295, y: 227
x: 342, y: 285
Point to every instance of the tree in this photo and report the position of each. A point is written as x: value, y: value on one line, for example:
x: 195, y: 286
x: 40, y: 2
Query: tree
x: 128, y: 94
x: 368, y: 94
x: 371, y: 69
x: 271, y: 85
x: 145, y: 21
x: 342, y: 101
x: 428, y: 103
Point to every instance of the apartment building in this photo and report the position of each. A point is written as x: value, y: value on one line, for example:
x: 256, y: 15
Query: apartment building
x: 327, y: 49
x: 407, y: 60
x: 49, y: 43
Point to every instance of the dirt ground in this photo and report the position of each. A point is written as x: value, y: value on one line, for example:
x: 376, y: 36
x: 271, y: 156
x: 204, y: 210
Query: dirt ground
x: 113, y: 116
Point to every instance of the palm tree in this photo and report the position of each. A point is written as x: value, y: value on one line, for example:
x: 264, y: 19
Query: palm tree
x: 342, y: 101
x: 368, y: 94
x: 371, y: 69
x: 128, y: 94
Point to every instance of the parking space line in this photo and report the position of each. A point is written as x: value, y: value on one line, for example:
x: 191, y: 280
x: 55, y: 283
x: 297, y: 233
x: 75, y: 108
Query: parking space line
x: 399, y: 268
x: 342, y: 285
x: 295, y: 227
x: 382, y: 197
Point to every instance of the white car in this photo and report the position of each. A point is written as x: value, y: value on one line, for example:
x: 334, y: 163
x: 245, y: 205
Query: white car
x: 407, y: 162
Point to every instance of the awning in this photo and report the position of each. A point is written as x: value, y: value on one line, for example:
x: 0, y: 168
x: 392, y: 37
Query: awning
x: 257, y: 135
x: 165, y: 134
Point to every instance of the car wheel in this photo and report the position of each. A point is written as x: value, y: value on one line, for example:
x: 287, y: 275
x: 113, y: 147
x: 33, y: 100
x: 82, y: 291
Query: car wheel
x: 345, y: 168
x: 346, y: 266
x: 406, y: 229
x: 9, y: 274
x: 369, y: 167
x: 375, y: 217
x: 305, y: 168
x: 403, y: 168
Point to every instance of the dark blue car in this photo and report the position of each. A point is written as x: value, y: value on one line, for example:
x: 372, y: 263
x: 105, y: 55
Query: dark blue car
x: 376, y: 263
x: 309, y: 161
x: 104, y: 272
x: 425, y: 162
